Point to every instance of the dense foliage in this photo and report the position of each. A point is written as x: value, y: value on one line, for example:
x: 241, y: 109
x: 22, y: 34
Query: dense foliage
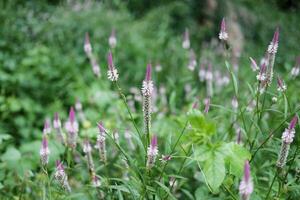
x: 45, y: 70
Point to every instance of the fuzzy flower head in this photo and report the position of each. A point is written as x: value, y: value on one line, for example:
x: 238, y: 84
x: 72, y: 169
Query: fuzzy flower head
x: 87, y: 45
x: 61, y: 176
x: 281, y: 87
x: 47, y: 128
x: 272, y: 48
x: 112, y: 40
x: 289, y: 133
x: 44, y: 151
x: 186, y: 39
x: 192, y: 62
x: 56, y: 121
x: 87, y: 148
x: 112, y: 72
x: 246, y: 185
x: 261, y: 76
x: 152, y: 152
x: 202, y: 72
x: 147, y: 87
x: 253, y: 65
x: 223, y: 35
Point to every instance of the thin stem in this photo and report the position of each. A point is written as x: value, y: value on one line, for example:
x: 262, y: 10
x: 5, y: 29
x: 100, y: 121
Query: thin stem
x: 123, y: 97
x: 270, y: 188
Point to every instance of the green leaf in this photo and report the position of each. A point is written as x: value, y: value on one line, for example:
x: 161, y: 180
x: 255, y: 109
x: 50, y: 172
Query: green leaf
x: 235, y: 156
x: 12, y: 155
x: 214, y: 170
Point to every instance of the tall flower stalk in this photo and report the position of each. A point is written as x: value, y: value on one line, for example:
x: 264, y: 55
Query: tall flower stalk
x: 88, y: 51
x: 147, y: 90
x: 44, y: 151
x: 87, y: 149
x: 112, y: 72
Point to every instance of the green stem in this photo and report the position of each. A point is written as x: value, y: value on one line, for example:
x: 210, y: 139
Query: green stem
x: 270, y: 188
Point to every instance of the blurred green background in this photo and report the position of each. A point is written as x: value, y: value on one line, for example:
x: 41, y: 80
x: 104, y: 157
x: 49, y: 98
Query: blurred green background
x: 43, y: 67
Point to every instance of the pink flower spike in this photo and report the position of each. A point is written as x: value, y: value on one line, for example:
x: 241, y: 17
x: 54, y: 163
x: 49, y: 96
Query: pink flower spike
x: 293, y: 122
x: 110, y: 61
x: 59, y: 165
x: 72, y: 115
x: 148, y: 72
x: 223, y: 35
x: 276, y: 36
x: 47, y: 128
x: 45, y: 142
x: 195, y: 104
x: 56, y: 117
x: 154, y: 141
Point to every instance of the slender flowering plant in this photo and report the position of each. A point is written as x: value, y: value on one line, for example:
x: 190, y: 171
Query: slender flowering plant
x: 287, y: 138
x: 87, y: 149
x: 112, y: 40
x: 186, y: 39
x: 112, y: 72
x: 273, y: 46
x: 72, y: 128
x: 223, y: 35
x: 152, y: 152
x: 61, y: 176
x: 192, y: 62
x: 44, y: 151
x: 246, y: 185
x: 202, y: 72
x: 147, y: 90
x: 101, y: 144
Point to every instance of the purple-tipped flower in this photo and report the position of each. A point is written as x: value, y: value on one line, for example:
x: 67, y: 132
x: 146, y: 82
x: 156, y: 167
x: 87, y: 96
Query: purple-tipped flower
x: 87, y: 45
x: 223, y: 35
x: 186, y: 39
x: 272, y: 48
x: 253, y: 65
x: 147, y: 90
x: 56, y: 121
x: 72, y: 128
x: 112, y: 40
x: 101, y: 145
x: 44, y: 151
x: 152, y: 152
x: 281, y: 87
x: 207, y: 105
x: 112, y: 72
x: 287, y: 138
x: 47, y: 127
x: 61, y: 176
x: 246, y: 185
